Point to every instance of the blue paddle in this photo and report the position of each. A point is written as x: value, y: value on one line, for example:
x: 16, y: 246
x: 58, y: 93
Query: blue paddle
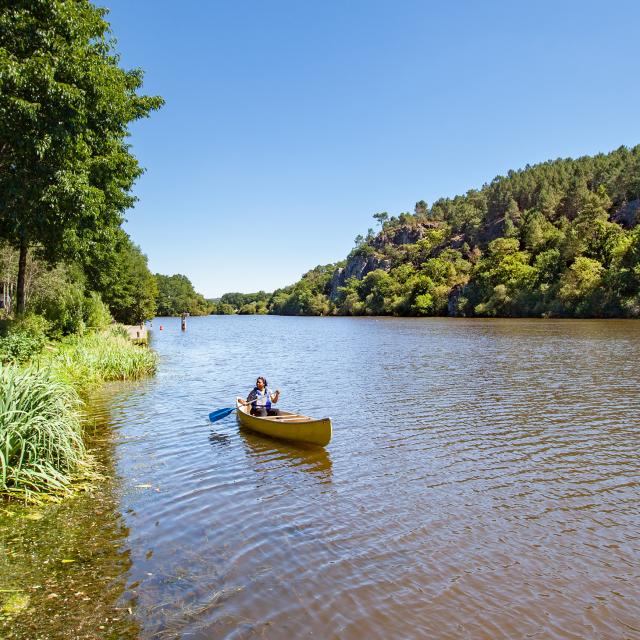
x: 214, y: 416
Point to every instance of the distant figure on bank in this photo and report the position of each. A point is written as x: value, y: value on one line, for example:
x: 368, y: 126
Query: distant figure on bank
x: 261, y: 399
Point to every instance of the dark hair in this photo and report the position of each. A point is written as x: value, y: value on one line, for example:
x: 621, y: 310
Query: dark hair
x: 263, y: 380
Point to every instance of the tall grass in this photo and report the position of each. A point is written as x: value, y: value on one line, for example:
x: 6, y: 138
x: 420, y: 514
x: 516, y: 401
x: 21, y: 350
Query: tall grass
x: 89, y: 360
x: 41, y: 446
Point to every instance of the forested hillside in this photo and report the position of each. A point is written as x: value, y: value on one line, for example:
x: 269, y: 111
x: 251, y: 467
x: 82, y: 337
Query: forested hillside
x: 558, y: 239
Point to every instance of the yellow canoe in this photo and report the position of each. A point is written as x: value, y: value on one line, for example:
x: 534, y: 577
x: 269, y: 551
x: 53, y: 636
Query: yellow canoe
x: 286, y: 426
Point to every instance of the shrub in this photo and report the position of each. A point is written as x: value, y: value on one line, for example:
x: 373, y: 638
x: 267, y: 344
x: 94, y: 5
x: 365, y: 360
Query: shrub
x: 118, y: 331
x: 62, y: 306
x: 22, y: 339
x: 96, y: 313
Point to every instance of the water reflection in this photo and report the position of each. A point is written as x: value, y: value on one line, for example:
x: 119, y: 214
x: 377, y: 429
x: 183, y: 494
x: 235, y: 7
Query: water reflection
x: 68, y: 562
x: 219, y: 439
x: 269, y: 454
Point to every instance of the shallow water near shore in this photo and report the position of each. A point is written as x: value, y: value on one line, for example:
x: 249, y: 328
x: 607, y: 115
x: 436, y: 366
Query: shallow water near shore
x: 483, y: 481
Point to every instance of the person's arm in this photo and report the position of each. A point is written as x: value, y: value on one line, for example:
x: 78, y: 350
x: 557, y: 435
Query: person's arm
x: 275, y: 396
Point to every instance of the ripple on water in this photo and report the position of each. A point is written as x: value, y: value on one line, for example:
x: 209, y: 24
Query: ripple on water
x: 482, y: 481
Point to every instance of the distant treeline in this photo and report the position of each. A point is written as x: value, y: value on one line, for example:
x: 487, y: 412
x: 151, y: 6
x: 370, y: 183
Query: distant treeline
x: 176, y: 295
x: 243, y: 303
x: 558, y: 239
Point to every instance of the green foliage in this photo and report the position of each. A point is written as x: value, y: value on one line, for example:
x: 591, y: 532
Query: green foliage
x: 309, y: 296
x: 579, y: 287
x: 381, y: 218
x: 244, y: 303
x: 84, y: 362
x: 176, y: 295
x: 223, y: 309
x: 41, y: 446
x: 377, y: 291
x: 537, y: 233
x: 96, y: 313
x: 59, y: 298
x: 554, y: 239
x: 65, y: 105
x: 364, y: 250
x: 126, y: 286
x: 22, y: 339
x: 253, y: 308
x: 349, y: 302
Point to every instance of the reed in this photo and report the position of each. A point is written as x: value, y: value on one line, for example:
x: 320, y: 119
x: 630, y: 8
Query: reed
x: 41, y: 436
x: 41, y: 447
x: 89, y: 360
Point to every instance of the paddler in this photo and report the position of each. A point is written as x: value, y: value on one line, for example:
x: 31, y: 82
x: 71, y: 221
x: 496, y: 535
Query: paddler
x: 261, y: 399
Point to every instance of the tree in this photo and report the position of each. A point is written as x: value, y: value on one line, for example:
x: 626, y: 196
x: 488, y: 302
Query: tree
x: 421, y: 209
x: 132, y: 298
x: 381, y: 218
x: 65, y: 169
x: 579, y: 284
x: 176, y: 295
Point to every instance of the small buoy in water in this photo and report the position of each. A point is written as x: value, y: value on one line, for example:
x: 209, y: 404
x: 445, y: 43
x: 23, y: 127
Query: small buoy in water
x: 160, y: 327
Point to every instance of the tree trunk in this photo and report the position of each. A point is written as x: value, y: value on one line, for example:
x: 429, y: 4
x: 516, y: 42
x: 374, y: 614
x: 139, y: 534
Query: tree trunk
x: 22, y: 267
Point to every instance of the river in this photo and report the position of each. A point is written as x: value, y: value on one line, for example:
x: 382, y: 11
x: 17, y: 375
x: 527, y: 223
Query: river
x: 483, y: 481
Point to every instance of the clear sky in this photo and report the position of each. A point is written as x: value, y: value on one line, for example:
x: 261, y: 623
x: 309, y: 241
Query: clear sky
x: 288, y: 124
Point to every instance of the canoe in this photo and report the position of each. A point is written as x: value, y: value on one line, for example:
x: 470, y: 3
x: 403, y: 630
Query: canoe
x: 286, y: 426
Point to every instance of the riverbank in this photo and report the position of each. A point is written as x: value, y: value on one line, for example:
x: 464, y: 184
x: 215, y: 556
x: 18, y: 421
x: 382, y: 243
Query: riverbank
x: 44, y: 455
x: 138, y: 333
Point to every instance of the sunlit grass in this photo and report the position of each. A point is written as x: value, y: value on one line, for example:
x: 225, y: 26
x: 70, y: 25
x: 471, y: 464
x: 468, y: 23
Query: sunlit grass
x: 41, y: 447
x: 87, y: 361
x: 41, y: 438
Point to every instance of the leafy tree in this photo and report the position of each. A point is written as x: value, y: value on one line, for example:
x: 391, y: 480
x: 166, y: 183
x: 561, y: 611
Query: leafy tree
x: 65, y: 104
x: 237, y: 300
x: 557, y: 238
x: 377, y: 291
x: 176, y: 295
x: 224, y: 309
x: 578, y: 286
x: 132, y: 290
x: 58, y: 296
x: 538, y: 233
x: 421, y: 209
x: 349, y: 303
x: 381, y: 218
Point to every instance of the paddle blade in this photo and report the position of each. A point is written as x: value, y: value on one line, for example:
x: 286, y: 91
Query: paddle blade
x: 214, y: 416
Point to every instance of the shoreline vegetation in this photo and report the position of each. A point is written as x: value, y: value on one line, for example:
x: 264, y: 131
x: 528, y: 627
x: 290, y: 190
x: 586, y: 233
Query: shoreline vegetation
x: 42, y: 451
x: 68, y: 270
x: 560, y: 239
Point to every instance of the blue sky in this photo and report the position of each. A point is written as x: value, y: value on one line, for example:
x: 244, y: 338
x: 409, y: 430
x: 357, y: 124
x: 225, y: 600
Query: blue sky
x: 288, y: 124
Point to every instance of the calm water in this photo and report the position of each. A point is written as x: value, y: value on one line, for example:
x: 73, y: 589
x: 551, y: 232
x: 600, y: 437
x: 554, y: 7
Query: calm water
x: 482, y: 482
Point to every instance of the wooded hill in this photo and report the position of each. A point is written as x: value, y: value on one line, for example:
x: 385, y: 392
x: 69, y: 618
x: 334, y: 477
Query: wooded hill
x: 557, y: 239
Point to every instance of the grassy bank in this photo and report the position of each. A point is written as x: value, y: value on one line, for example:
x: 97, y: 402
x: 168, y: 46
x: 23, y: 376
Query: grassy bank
x: 41, y: 445
x: 85, y: 362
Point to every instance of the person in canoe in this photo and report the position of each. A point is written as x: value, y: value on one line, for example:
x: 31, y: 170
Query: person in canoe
x: 261, y: 399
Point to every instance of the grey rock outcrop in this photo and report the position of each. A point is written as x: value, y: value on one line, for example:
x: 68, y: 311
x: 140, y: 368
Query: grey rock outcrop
x: 357, y: 267
x: 406, y: 234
